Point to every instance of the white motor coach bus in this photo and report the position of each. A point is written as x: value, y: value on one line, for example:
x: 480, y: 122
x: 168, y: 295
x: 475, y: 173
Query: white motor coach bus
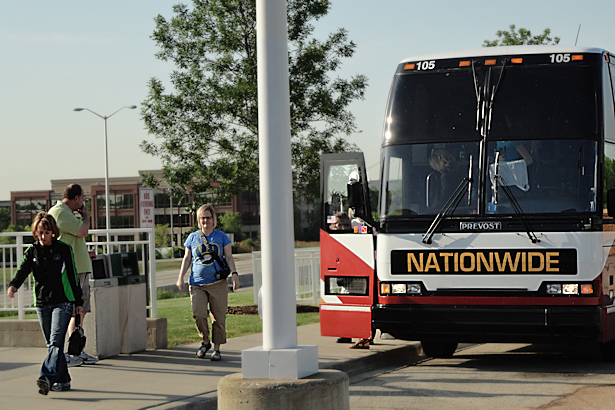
x: 495, y: 216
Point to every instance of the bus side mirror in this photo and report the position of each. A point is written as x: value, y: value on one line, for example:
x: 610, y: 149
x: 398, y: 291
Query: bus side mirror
x: 355, y: 196
x: 610, y: 202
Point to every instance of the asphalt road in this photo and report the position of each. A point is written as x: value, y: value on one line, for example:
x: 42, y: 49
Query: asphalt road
x: 243, y: 263
x: 493, y: 376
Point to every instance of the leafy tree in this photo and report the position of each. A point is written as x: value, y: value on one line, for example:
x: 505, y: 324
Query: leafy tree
x: 162, y: 235
x: 206, y: 129
x: 609, y: 178
x: 7, y: 240
x: 374, y: 194
x: 230, y: 222
x: 5, y: 218
x: 521, y: 37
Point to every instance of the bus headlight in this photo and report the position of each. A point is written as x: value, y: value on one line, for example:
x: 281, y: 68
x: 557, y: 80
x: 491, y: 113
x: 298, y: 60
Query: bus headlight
x: 569, y: 289
x: 399, y: 288
x: 414, y: 288
x: 587, y: 289
x: 554, y: 288
x: 387, y: 289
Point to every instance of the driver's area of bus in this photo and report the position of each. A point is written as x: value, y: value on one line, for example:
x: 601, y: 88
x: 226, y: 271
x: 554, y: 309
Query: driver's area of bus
x: 544, y: 176
x: 419, y: 179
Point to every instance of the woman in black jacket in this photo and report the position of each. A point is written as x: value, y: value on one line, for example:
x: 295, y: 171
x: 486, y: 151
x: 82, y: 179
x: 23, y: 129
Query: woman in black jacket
x: 57, y: 290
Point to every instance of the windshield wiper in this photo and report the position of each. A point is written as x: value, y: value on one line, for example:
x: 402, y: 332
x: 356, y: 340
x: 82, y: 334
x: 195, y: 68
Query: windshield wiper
x: 448, y: 208
x: 499, y: 181
x: 492, y: 97
x: 477, y: 90
x: 517, y: 208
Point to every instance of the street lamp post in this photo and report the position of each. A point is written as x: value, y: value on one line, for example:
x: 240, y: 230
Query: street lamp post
x: 108, y: 209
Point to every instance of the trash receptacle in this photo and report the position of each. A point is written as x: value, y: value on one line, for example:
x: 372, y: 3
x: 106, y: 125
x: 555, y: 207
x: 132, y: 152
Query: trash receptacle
x: 132, y: 301
x: 102, y: 324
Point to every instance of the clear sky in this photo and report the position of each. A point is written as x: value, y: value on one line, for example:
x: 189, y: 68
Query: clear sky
x: 65, y: 54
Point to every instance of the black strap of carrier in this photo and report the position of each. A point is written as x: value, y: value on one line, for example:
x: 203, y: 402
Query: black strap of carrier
x: 226, y: 271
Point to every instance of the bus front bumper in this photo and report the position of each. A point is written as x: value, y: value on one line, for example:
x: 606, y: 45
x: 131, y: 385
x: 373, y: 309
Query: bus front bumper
x: 484, y: 324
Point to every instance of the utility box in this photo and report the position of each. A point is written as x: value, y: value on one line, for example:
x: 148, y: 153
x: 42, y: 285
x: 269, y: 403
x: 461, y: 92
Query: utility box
x: 125, y: 266
x: 132, y: 318
x: 100, y: 267
x: 132, y: 301
x: 102, y: 325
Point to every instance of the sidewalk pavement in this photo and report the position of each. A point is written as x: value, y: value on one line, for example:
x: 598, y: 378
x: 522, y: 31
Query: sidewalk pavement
x: 171, y: 378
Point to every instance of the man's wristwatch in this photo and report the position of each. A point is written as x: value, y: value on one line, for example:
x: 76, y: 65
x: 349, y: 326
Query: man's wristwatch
x: 234, y: 273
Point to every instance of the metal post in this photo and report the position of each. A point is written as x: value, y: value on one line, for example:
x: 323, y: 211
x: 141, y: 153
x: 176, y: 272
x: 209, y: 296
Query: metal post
x: 107, y: 207
x: 171, y: 213
x: 19, y: 254
x: 152, y: 273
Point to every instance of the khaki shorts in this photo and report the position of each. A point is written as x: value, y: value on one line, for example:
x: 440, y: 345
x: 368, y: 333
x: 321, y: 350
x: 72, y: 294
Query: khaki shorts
x: 85, y: 290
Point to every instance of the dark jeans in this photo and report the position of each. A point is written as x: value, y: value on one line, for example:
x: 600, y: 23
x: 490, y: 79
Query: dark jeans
x: 54, y: 323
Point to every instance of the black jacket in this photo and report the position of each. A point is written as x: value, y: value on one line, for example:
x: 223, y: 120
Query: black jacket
x: 54, y: 273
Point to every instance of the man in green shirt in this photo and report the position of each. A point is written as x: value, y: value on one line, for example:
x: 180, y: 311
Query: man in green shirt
x: 73, y: 221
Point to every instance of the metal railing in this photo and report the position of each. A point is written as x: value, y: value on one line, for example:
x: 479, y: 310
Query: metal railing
x: 11, y: 255
x: 307, y: 274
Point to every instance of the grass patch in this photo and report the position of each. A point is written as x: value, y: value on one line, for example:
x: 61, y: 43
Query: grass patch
x: 306, y: 244
x: 168, y: 265
x: 13, y: 315
x: 162, y: 294
x: 180, y: 324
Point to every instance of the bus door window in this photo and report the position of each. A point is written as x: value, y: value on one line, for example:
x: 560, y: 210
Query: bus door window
x: 609, y: 171
x: 611, y: 67
x: 336, y: 204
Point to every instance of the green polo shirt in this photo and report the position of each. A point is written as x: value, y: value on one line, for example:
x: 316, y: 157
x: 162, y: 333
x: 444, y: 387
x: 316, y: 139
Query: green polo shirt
x: 69, y: 225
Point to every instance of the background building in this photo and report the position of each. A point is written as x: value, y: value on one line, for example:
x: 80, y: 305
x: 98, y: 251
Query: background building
x: 124, y: 205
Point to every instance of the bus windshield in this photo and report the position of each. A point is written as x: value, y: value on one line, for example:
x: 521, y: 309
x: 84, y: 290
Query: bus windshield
x: 561, y: 178
x: 445, y: 104
x: 540, y: 120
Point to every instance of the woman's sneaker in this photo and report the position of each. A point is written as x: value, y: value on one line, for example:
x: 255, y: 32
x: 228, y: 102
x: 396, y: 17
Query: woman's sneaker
x: 86, y: 358
x: 43, y: 385
x: 61, y: 386
x: 72, y: 361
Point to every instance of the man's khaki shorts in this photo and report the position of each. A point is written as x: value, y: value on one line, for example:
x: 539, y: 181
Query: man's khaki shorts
x: 85, y: 290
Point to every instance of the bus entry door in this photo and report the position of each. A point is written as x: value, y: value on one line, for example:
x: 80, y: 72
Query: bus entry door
x: 346, y: 250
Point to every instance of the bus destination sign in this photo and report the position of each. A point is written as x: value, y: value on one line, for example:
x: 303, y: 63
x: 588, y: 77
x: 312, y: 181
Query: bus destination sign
x: 484, y: 262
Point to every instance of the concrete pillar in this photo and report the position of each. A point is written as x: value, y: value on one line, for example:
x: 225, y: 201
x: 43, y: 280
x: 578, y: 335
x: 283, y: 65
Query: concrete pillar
x: 326, y: 390
x: 279, y: 357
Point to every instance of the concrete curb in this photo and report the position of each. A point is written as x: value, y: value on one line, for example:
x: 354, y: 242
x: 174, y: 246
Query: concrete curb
x: 208, y: 401
x: 353, y: 368
x: 379, y: 360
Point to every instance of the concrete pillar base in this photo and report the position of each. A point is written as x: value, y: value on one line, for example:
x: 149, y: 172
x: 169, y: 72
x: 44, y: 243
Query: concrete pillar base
x: 326, y: 390
x: 292, y: 363
x: 157, y: 333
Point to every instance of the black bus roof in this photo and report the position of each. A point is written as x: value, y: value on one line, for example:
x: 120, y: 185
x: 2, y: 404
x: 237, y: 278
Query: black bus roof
x: 507, y: 51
